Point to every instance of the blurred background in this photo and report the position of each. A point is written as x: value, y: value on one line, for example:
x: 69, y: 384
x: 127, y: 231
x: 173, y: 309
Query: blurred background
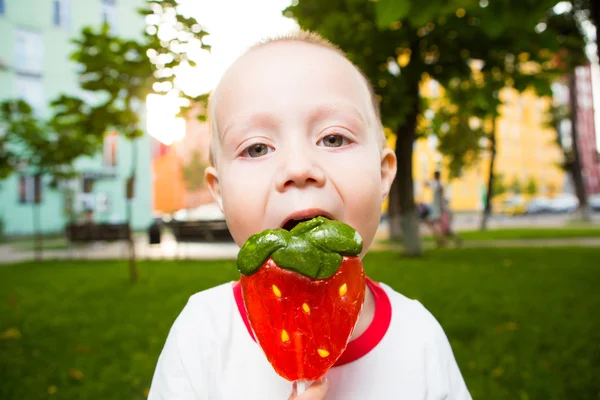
x: 107, y: 227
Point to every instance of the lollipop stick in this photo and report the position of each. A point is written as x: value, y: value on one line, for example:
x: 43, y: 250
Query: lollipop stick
x: 300, y: 386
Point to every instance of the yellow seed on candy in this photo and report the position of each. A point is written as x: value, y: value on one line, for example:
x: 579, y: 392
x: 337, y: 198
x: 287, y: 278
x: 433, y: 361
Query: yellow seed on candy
x: 306, y: 308
x: 343, y: 289
x: 276, y: 291
x: 323, y: 353
x: 284, y: 336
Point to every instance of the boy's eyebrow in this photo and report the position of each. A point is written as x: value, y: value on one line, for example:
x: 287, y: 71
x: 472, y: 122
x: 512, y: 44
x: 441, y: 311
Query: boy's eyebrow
x: 263, y: 119
x: 319, y: 112
x: 322, y: 111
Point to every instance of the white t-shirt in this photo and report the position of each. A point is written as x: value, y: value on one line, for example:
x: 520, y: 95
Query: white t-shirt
x: 211, y: 354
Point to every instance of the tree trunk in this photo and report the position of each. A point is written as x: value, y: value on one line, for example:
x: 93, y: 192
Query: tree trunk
x: 37, y: 229
x: 394, y: 213
x: 130, y: 189
x: 575, y: 163
x: 487, y: 211
x: 403, y: 195
x: 595, y: 17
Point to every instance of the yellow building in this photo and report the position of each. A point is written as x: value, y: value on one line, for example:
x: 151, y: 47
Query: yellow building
x: 526, y: 150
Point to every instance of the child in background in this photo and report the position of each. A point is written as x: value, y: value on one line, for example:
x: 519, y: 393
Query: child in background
x: 296, y: 133
x: 440, y: 218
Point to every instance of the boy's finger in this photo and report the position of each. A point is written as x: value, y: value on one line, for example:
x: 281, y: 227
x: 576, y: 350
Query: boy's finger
x: 294, y: 392
x: 316, y: 391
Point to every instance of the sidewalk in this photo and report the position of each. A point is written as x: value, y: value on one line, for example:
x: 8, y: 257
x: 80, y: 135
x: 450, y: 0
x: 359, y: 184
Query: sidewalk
x: 169, y: 249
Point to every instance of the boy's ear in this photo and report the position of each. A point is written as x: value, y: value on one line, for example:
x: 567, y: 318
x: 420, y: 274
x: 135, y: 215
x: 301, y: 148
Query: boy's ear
x: 388, y: 171
x: 212, y: 180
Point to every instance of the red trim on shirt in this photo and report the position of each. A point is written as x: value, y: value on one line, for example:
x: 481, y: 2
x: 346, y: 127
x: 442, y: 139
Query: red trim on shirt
x: 359, y: 346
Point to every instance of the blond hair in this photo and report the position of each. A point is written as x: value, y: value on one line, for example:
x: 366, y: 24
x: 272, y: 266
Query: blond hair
x: 300, y: 36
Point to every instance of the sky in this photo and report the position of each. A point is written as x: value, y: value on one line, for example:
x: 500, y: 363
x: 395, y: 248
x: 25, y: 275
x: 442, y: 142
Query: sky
x: 233, y: 26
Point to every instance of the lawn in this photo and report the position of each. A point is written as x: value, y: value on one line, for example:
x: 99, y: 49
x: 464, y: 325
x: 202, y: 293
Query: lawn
x: 523, y: 322
x: 527, y: 233
x: 531, y: 233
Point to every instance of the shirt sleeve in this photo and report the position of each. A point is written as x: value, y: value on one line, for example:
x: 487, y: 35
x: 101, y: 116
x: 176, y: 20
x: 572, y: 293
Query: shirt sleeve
x: 447, y: 369
x: 170, y: 381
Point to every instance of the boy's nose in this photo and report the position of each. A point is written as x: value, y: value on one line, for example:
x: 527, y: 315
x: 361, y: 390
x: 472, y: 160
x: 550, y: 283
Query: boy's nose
x: 299, y: 171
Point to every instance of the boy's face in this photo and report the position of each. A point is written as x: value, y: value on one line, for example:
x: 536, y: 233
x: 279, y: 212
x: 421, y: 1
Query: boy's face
x: 298, y: 138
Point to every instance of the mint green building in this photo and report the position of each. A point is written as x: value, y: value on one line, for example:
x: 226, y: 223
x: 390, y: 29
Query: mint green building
x: 35, y: 66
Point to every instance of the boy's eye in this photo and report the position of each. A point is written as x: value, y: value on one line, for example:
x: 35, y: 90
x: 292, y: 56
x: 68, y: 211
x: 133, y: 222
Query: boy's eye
x: 334, y: 141
x: 257, y: 150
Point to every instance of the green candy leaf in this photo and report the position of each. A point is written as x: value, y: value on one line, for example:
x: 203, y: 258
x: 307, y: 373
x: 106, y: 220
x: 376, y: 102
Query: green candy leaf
x: 258, y: 249
x: 313, y: 248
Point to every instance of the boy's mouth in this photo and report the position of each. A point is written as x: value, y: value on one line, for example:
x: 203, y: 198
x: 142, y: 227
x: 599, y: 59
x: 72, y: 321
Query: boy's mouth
x: 302, y: 216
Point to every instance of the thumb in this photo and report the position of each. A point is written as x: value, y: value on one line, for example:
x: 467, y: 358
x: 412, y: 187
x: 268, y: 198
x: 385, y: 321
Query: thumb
x: 316, y: 391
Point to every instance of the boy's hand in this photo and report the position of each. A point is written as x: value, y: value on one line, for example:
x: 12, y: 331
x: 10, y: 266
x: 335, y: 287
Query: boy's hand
x: 316, y: 391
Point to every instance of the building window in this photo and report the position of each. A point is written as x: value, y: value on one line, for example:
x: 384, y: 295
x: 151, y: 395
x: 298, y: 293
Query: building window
x: 109, y: 14
x: 31, y: 90
x: 30, y: 189
x: 29, y: 51
x: 60, y: 13
x: 88, y: 185
x: 110, y: 149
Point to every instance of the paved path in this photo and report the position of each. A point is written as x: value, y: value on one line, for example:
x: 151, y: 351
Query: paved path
x: 169, y: 250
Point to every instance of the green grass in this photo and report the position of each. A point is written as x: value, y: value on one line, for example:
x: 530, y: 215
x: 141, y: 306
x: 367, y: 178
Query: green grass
x: 526, y: 233
x: 522, y: 322
x: 531, y: 233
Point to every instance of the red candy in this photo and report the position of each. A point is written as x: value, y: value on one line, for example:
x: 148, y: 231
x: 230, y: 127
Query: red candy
x: 302, y: 324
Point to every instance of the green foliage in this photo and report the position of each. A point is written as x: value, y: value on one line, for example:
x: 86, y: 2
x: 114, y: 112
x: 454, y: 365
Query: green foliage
x: 168, y: 38
x: 193, y: 171
x: 502, y: 310
x: 7, y: 157
x: 439, y: 40
x: 499, y: 187
x: 41, y: 147
x: 516, y: 186
x: 121, y: 73
x: 532, y: 187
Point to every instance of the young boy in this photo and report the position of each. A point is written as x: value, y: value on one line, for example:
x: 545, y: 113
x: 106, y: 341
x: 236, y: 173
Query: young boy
x: 296, y: 133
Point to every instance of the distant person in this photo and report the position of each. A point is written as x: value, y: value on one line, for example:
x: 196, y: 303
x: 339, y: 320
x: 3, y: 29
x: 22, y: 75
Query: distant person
x: 88, y: 216
x: 296, y: 129
x: 440, y: 217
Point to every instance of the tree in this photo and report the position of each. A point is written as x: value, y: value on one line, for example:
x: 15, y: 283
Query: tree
x: 589, y: 10
x: 41, y: 149
x: 499, y: 187
x: 532, y: 187
x: 515, y: 186
x: 7, y: 158
x: 193, y: 171
x: 122, y: 72
x: 467, y: 121
x: 399, y: 46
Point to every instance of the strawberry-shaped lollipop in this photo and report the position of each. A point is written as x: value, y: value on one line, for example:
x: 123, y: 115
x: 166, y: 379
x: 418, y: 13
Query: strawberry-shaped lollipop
x: 303, y: 291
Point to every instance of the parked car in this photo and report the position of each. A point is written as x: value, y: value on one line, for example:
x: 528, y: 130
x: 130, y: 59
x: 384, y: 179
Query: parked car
x: 205, y: 212
x: 538, y: 205
x: 594, y: 202
x: 564, y: 203
x: 205, y: 223
x: 512, y: 205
